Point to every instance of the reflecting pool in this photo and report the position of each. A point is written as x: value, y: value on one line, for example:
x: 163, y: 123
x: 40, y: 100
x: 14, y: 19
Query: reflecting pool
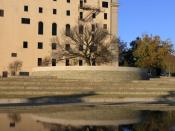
x: 92, y: 120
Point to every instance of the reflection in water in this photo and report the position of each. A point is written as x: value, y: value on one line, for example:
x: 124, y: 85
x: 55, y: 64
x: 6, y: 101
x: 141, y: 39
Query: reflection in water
x: 58, y: 127
x: 151, y: 121
x: 157, y: 121
x: 14, y: 118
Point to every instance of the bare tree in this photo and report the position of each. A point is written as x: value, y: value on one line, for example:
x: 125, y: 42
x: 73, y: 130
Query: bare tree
x: 93, y: 45
x: 46, y: 61
x: 15, y: 66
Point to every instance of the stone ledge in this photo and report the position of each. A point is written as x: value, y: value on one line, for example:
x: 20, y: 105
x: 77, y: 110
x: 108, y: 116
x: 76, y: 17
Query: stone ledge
x: 97, y: 73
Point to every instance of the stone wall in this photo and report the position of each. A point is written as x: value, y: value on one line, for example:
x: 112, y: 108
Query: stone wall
x: 101, y: 73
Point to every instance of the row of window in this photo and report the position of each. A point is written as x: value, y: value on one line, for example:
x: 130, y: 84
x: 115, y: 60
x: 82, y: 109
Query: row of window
x: 40, y: 45
x: 94, y: 15
x: 68, y: 1
x: 40, y: 10
x: 54, y: 27
x: 104, y: 4
x: 40, y: 26
x: 54, y: 62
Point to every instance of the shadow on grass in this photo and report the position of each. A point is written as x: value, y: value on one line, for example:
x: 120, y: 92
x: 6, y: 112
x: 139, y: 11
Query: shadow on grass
x: 51, y: 100
x: 168, y: 99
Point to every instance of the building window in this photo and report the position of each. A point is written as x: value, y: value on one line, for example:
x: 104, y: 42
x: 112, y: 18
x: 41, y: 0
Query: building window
x: 40, y: 28
x: 12, y: 125
x: 68, y: 12
x: 93, y: 62
x: 93, y: 48
x: 67, y: 46
x: 54, y: 11
x: 25, y: 20
x: 54, y: 46
x: 81, y: 15
x: 105, y: 16
x: 22, y: 73
x: 81, y: 4
x: 26, y: 8
x: 80, y: 62
x: 93, y: 27
x: 67, y: 62
x: 1, y: 13
x: 93, y: 15
x: 13, y: 54
x: 25, y: 44
x: 105, y: 4
x: 39, y: 61
x: 40, y: 10
x: 68, y: 30
x: 68, y: 1
x: 81, y: 47
x: 81, y: 28
x: 105, y: 26
x: 93, y: 37
x: 54, y: 29
x: 54, y: 62
x: 40, y: 45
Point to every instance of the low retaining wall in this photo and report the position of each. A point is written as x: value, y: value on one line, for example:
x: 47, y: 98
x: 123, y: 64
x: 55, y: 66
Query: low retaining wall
x: 82, y: 122
x: 96, y: 73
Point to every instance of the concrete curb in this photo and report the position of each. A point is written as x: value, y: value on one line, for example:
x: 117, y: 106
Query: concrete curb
x: 83, y: 100
x: 84, y: 122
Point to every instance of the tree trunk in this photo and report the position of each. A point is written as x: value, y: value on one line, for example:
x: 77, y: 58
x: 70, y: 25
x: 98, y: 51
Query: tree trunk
x: 88, y: 61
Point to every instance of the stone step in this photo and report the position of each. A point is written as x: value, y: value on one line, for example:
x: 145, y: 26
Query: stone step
x: 82, y: 85
x: 64, y: 88
x: 77, y: 94
x: 84, y: 90
x: 35, y: 80
x: 63, y: 81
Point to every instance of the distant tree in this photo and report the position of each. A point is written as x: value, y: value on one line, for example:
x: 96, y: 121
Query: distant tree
x: 126, y: 57
x: 123, y: 50
x: 150, y: 51
x: 93, y: 45
x: 169, y: 61
x: 130, y: 54
x: 15, y: 67
x: 156, y: 121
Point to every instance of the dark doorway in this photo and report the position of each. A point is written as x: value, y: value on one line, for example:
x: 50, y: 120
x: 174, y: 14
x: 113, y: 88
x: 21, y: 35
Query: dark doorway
x: 93, y: 62
x: 54, y: 62
x: 67, y: 62
x: 80, y: 63
x: 81, y: 4
x: 4, y: 74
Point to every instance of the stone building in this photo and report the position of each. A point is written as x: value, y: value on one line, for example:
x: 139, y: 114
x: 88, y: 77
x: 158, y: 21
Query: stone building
x: 27, y: 26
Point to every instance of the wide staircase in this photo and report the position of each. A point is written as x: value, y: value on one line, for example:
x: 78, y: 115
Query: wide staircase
x: 43, y: 87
